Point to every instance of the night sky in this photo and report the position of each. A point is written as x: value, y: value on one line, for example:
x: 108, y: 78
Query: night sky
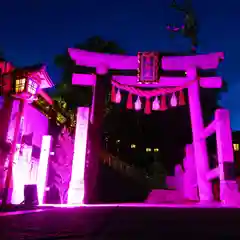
x: 34, y: 31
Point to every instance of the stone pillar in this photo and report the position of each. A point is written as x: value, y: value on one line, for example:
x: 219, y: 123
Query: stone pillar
x: 228, y: 183
x: 190, y: 175
x: 5, y: 114
x: 101, y: 88
x: 178, y: 174
x: 76, y: 191
x: 200, y: 148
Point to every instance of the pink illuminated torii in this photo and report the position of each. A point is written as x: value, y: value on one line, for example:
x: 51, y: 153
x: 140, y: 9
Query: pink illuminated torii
x: 190, y: 64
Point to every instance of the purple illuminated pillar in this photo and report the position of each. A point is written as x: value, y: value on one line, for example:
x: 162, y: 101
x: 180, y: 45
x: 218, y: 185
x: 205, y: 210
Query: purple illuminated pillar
x: 76, y: 190
x: 103, y: 84
x: 8, y: 190
x: 43, y: 167
x: 190, y: 174
x: 225, y: 153
x: 199, y: 144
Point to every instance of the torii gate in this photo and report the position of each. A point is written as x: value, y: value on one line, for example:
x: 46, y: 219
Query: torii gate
x: 108, y: 64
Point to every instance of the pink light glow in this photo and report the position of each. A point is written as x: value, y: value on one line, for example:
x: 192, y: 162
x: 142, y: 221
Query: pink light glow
x: 19, y: 178
x: 42, y: 167
x: 76, y: 190
x: 142, y: 205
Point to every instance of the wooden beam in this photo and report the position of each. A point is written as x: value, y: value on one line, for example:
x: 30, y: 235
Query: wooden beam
x: 212, y: 174
x: 209, y: 130
x: 211, y: 82
x: 84, y: 79
x: 163, y: 73
x: 204, y: 61
x: 114, y: 61
x: 90, y: 80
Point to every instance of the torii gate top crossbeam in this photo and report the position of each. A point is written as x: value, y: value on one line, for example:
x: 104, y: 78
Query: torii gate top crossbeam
x: 121, y: 62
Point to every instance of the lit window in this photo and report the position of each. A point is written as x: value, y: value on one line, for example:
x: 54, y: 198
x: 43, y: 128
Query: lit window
x: 236, y: 147
x: 20, y: 85
x: 32, y: 87
x: 156, y: 150
x: 133, y: 146
x: 148, y: 149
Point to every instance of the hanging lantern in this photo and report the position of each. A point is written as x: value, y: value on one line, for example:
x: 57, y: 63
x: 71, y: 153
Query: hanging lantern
x: 173, y: 100
x: 24, y: 87
x: 156, y: 104
x: 138, y: 104
x: 118, y: 96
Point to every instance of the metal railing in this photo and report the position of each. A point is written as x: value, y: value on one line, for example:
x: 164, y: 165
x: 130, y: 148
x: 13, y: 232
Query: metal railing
x: 131, y: 171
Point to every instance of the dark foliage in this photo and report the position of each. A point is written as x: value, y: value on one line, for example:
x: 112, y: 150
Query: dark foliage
x: 169, y: 131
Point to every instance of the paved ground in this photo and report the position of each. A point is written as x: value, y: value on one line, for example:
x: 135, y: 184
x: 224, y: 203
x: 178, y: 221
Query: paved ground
x: 122, y: 223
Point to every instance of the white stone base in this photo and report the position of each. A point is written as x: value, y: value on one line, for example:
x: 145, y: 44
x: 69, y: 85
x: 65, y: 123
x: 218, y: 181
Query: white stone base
x: 158, y: 196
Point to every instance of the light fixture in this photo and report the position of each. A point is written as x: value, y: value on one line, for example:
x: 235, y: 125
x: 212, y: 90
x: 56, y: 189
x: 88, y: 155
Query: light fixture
x: 24, y: 87
x: 148, y: 149
x: 30, y: 195
x: 133, y: 146
x: 156, y: 150
x: 236, y: 147
x: 118, y: 141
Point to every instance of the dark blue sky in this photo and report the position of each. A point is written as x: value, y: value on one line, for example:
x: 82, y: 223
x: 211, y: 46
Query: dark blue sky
x: 34, y: 31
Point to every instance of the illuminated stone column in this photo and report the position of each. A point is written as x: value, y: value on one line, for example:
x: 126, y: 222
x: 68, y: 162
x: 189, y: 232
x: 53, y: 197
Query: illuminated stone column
x: 43, y: 167
x: 228, y: 183
x: 190, y: 174
x: 199, y: 144
x: 76, y: 190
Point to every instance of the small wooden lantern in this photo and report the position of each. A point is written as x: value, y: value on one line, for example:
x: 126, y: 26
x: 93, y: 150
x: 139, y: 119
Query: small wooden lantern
x: 24, y: 86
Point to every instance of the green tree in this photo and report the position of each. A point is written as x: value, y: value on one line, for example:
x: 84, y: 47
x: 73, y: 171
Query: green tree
x: 210, y: 98
x: 77, y: 95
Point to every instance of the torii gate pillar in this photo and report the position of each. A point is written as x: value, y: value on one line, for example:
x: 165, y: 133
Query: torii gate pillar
x: 100, y: 90
x: 199, y: 143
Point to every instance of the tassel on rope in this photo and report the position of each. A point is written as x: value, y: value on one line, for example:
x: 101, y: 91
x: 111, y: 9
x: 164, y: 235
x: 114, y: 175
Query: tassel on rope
x: 118, y: 97
x: 113, y: 94
x: 147, y: 109
x: 138, y: 104
x: 181, y: 98
x: 129, y: 101
x: 173, y: 100
x: 163, y: 105
x: 156, y: 104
